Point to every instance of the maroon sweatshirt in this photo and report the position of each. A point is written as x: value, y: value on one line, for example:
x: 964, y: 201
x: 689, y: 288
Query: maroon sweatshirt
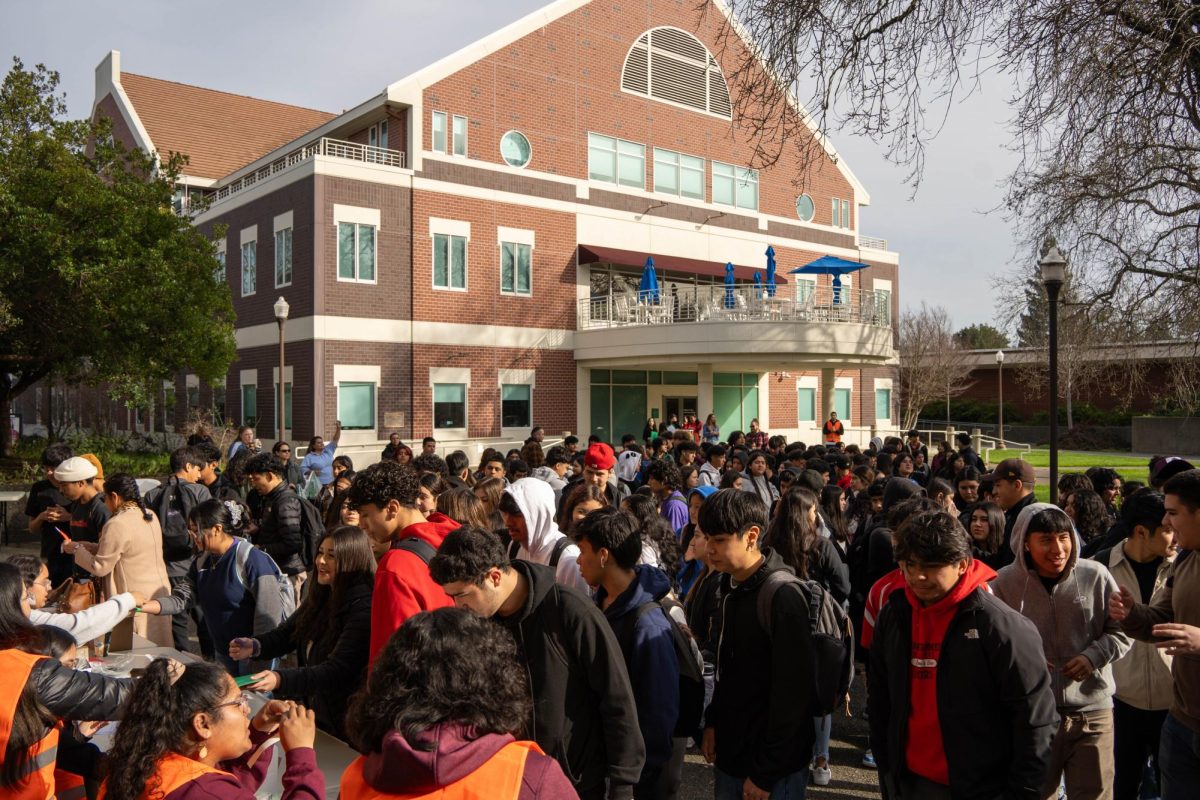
x: 302, y: 780
x: 444, y: 755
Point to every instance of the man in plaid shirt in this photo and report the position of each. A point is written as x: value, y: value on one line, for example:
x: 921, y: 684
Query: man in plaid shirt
x: 757, y: 438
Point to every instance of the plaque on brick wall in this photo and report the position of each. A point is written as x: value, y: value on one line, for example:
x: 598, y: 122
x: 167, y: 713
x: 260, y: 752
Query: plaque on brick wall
x: 393, y: 419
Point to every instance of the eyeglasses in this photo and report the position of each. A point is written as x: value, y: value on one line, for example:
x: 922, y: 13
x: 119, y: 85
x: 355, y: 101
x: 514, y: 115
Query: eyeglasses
x: 283, y: 450
x: 242, y: 700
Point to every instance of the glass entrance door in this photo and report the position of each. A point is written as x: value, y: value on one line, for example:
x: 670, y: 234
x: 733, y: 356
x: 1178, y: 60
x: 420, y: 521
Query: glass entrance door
x: 679, y: 406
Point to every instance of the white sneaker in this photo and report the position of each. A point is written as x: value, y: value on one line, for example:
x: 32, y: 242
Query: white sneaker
x: 821, y: 775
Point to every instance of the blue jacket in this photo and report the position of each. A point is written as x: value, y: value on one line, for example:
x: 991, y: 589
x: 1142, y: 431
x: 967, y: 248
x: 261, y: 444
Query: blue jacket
x: 649, y: 652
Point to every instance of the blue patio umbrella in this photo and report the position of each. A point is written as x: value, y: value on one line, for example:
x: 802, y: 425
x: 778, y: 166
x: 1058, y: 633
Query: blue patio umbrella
x: 757, y: 283
x: 830, y: 265
x: 730, y: 301
x: 648, y: 291
x: 770, y: 271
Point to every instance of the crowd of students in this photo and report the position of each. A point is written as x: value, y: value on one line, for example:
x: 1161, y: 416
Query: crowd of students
x: 567, y: 622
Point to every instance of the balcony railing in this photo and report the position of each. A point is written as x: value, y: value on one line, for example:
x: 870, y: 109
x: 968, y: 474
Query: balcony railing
x: 720, y: 304
x: 872, y: 243
x: 335, y: 148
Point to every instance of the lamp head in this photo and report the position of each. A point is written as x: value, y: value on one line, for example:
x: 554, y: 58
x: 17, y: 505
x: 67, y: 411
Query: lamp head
x: 281, y: 309
x: 999, y: 356
x: 1054, y: 267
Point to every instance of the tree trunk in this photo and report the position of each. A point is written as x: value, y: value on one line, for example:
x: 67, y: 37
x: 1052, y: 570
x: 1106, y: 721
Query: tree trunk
x: 6, y: 443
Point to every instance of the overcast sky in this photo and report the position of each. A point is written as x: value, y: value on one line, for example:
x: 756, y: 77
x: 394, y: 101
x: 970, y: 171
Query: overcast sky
x: 333, y: 56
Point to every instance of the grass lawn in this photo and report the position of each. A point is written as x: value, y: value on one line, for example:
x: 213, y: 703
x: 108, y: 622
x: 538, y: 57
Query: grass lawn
x: 1070, y: 459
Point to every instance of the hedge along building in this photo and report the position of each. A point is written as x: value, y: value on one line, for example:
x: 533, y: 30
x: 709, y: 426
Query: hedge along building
x: 461, y: 252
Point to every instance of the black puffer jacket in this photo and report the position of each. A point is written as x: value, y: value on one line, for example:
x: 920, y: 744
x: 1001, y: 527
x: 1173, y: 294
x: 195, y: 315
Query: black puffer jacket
x: 995, y: 706
x: 584, y: 715
x: 78, y: 695
x: 329, y: 673
x: 279, y: 532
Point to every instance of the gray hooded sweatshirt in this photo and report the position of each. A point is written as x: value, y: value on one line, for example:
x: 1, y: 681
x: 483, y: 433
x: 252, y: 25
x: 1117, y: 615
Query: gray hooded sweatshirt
x: 1072, y: 618
x: 535, y: 498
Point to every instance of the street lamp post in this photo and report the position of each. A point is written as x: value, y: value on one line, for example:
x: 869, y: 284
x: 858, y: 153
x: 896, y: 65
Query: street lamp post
x: 1000, y: 381
x: 281, y: 315
x: 1054, y: 273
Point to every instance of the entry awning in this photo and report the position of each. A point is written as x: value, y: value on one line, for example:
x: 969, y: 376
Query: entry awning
x: 634, y: 259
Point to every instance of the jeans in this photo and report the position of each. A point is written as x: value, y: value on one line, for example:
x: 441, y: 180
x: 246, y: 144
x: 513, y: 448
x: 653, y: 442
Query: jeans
x: 821, y: 746
x: 1136, y: 738
x: 1179, y: 760
x: 791, y: 787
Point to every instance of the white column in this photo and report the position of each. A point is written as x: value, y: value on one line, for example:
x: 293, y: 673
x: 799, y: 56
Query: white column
x: 828, y: 382
x: 704, y: 391
x: 583, y: 402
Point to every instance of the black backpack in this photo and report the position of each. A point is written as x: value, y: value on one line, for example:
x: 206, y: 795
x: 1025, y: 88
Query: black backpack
x: 311, y: 530
x: 173, y: 506
x: 691, y: 665
x: 418, y: 547
x: 832, y: 637
x: 559, y: 546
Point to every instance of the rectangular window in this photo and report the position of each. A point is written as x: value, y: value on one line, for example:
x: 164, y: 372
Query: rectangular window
x: 356, y: 406
x: 516, y: 406
x: 616, y: 161
x: 460, y: 136
x: 515, y: 261
x: 449, y: 405
x: 287, y: 403
x: 845, y: 213
x: 383, y: 139
x: 841, y: 404
x: 883, y: 404
x: 356, y: 252
x: 219, y: 272
x: 283, y: 258
x: 805, y: 289
x: 678, y: 174
x: 806, y: 404
x: 439, y: 131
x: 373, y: 136
x: 841, y: 213
x: 249, y: 268
x: 193, y: 396
x: 449, y: 262
x: 734, y: 186
x: 249, y: 404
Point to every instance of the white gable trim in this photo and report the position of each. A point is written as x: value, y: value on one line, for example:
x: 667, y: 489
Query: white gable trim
x: 108, y: 81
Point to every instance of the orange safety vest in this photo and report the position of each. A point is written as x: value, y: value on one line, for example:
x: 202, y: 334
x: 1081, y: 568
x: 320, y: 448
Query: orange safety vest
x: 15, y: 668
x: 498, y: 779
x: 172, y: 771
x: 69, y: 786
x: 832, y: 431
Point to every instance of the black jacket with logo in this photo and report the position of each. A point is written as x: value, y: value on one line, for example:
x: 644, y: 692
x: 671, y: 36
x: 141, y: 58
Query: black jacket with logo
x: 995, y: 705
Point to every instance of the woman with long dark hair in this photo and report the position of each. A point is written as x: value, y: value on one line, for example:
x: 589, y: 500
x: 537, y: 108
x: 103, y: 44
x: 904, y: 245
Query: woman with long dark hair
x: 235, y: 584
x: 188, y: 735
x: 441, y: 706
x: 331, y: 631
x: 985, y: 524
x: 833, y: 508
x: 755, y: 479
x: 966, y: 488
x: 583, y: 499
x: 129, y: 555
x: 660, y: 548
x: 461, y: 505
x: 37, y: 691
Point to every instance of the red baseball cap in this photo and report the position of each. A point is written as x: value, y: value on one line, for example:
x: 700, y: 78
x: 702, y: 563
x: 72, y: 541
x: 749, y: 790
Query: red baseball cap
x: 599, y: 456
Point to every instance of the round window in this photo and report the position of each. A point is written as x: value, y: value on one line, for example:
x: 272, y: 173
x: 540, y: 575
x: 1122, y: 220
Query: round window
x: 515, y: 149
x: 805, y: 208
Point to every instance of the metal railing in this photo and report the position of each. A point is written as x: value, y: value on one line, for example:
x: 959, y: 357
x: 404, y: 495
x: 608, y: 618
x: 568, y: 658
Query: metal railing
x: 872, y: 242
x: 335, y: 148
x: 743, y: 303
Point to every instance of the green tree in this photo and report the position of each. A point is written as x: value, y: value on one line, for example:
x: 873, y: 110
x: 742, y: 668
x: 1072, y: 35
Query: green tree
x: 981, y: 337
x: 102, y: 281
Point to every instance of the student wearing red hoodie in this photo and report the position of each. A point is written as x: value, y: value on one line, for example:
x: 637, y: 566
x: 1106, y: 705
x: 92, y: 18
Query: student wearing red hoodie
x: 960, y: 701
x: 439, y: 715
x: 386, y: 496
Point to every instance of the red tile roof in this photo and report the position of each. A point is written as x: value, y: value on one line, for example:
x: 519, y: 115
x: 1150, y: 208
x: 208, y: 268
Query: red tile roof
x: 220, y: 132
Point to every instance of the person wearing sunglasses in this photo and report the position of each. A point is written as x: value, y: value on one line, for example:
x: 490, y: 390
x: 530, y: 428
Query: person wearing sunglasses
x: 187, y: 733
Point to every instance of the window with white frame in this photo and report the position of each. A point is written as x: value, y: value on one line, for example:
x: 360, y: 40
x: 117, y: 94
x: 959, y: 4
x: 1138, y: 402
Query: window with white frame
x: 356, y: 405
x: 356, y: 252
x: 806, y: 289
x: 439, y: 131
x: 219, y: 273
x: 516, y: 405
x: 735, y: 186
x: 377, y: 135
x: 678, y: 174
x: 672, y: 65
x: 449, y: 262
x: 249, y: 385
x: 806, y: 404
x: 449, y: 405
x: 841, y: 213
x: 287, y: 397
x: 459, y: 141
x: 515, y: 268
x: 191, y: 383
x: 613, y: 160
x: 283, y: 250
x: 883, y: 404
x: 249, y: 242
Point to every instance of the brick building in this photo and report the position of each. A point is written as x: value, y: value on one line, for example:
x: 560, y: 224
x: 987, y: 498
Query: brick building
x: 461, y: 252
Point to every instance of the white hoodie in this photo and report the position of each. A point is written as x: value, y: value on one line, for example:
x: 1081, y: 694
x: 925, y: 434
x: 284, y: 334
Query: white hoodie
x: 535, y: 498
